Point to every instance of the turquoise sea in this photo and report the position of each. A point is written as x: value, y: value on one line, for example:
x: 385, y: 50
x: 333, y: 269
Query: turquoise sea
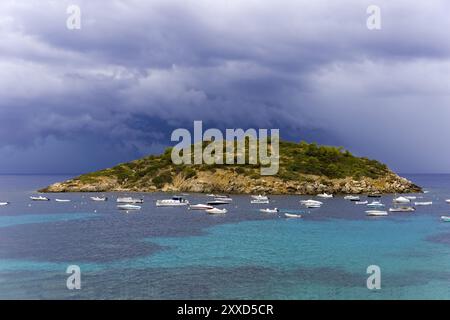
x: 173, y: 253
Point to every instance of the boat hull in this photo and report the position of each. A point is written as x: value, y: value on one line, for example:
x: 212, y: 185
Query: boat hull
x: 129, y: 200
x: 216, y: 211
x: 376, y: 213
x: 128, y: 207
x: 39, y: 198
x: 171, y: 204
x: 98, y: 199
x: 401, y: 210
x: 290, y: 215
x: 268, y: 210
x: 217, y: 202
x: 200, y: 207
x: 423, y: 203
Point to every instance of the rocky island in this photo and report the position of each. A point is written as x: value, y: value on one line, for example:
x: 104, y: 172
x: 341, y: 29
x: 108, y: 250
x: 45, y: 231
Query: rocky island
x: 303, y: 169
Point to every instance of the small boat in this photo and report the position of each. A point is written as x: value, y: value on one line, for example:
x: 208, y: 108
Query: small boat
x: 448, y: 201
x: 2, y: 204
x: 362, y: 202
x: 128, y: 207
x: 269, y: 210
x: 259, y: 202
x: 325, y: 195
x: 375, y: 204
x: 311, y: 201
x: 212, y: 195
x: 290, y: 215
x: 411, y: 197
x: 40, y: 198
x: 62, y: 200
x: 99, y: 198
x: 402, y: 209
x: 401, y: 200
x: 426, y: 191
x: 221, y: 196
x: 217, y: 202
x: 376, y: 213
x: 224, y: 199
x: 260, y: 197
x: 445, y: 218
x: 374, y: 195
x: 352, y: 198
x: 313, y: 205
x: 200, y: 206
x: 429, y: 203
x: 129, y: 200
x: 174, y: 202
x: 216, y: 211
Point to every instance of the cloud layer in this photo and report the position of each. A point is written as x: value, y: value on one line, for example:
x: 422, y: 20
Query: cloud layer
x: 136, y: 70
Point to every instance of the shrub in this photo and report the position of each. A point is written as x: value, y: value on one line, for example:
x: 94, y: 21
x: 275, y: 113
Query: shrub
x: 162, y: 179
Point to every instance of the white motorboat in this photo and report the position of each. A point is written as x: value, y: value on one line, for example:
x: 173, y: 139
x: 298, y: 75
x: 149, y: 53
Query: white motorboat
x: 224, y: 199
x: 411, y: 197
x: 424, y: 203
x: 260, y: 197
x: 259, y: 202
x: 217, y: 211
x: 401, y: 200
x: 375, y: 204
x: 352, y: 198
x: 40, y: 198
x: 448, y: 201
x: 99, y: 198
x: 212, y: 195
x: 376, y: 213
x: 362, y: 202
x: 200, y: 206
x: 174, y: 202
x: 269, y: 210
x: 63, y: 200
x: 325, y: 195
x: 402, y: 209
x: 290, y: 215
x: 445, y: 218
x: 128, y: 207
x: 311, y: 201
x: 2, y: 204
x: 129, y: 200
x: 219, y: 196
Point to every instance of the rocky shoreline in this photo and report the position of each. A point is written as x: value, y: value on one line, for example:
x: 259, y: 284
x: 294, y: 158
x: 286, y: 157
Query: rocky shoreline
x: 226, y: 181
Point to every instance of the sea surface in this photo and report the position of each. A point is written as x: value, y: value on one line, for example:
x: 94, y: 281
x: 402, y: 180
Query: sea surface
x: 174, y: 253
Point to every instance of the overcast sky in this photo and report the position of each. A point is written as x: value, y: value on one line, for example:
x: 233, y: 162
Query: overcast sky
x: 78, y: 100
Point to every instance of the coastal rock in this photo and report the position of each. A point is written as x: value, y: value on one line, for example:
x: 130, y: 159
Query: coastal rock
x: 222, y: 181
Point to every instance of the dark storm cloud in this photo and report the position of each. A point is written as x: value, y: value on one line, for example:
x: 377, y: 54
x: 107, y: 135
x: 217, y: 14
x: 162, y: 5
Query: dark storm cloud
x: 136, y: 70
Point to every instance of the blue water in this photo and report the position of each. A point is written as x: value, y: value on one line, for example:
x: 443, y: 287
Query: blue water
x: 173, y: 253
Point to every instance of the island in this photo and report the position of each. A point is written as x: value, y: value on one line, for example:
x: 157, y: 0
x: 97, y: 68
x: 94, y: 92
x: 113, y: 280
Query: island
x: 304, y: 169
